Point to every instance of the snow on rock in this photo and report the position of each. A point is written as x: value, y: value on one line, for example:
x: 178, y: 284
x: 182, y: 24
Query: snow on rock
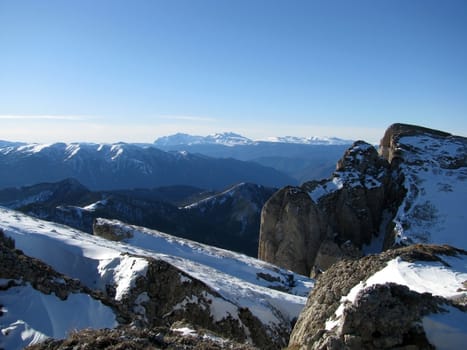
x: 96, y: 205
x: 234, y: 264
x: 406, y: 297
x: 445, y: 329
x: 92, y: 260
x: 435, y: 178
x: 38, y: 316
x: 423, y: 277
x: 273, y: 295
x: 235, y: 282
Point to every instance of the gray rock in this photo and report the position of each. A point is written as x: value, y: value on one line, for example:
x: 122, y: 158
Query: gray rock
x: 312, y: 226
x: 382, y: 316
x: 292, y: 229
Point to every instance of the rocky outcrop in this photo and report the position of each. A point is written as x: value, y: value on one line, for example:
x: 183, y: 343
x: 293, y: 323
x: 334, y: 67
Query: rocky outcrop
x: 167, y: 295
x: 383, y: 316
x: 389, y: 144
x: 105, y: 229
x: 292, y: 229
x: 179, y: 336
x: 313, y: 226
x: 403, y: 194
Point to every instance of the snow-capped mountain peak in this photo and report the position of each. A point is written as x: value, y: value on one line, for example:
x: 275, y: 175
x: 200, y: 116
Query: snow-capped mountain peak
x: 311, y: 140
x: 233, y: 139
x: 225, y: 139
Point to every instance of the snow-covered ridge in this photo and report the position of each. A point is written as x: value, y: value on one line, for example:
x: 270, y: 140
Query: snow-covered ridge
x: 234, y: 264
x: 273, y: 295
x: 218, y: 197
x: 70, y: 150
x: 435, y: 177
x: 232, y: 139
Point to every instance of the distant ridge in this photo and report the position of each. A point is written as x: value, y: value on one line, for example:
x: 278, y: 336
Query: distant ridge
x: 232, y: 139
x: 126, y: 166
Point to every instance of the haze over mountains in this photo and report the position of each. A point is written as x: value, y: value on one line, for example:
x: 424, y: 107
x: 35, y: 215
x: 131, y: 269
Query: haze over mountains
x: 302, y: 158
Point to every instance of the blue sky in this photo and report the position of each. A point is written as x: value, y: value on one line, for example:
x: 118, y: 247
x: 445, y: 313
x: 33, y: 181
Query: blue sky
x: 111, y: 70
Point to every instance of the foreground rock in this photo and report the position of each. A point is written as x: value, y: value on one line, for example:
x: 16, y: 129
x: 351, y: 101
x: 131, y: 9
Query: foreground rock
x: 180, y: 336
x: 409, y: 298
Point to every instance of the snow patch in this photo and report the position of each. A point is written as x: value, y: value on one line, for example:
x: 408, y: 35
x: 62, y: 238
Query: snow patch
x: 39, y: 316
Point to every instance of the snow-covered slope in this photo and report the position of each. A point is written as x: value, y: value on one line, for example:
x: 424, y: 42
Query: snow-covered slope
x: 272, y: 295
x: 238, y: 266
x: 434, y: 168
x: 29, y: 316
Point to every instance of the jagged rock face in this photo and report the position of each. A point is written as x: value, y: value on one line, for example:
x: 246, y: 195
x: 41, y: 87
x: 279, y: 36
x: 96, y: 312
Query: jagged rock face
x: 323, y: 221
x: 292, y: 228
x: 382, y: 316
x: 357, y: 207
x: 167, y: 295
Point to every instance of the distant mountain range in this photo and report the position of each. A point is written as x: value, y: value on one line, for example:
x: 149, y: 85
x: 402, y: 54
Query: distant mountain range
x: 303, y: 159
x: 233, y: 139
x: 125, y: 166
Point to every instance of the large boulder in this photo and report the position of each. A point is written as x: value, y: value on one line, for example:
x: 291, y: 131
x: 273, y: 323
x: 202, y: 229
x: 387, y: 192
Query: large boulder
x: 292, y: 229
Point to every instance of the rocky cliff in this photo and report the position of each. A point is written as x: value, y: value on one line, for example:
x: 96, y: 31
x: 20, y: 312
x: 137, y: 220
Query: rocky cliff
x: 412, y: 190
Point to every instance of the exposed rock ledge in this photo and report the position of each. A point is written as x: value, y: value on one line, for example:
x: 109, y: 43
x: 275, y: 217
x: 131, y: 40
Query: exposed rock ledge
x: 386, y: 316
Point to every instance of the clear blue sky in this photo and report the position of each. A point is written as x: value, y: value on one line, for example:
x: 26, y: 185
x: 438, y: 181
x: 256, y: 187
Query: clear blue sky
x: 108, y: 70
